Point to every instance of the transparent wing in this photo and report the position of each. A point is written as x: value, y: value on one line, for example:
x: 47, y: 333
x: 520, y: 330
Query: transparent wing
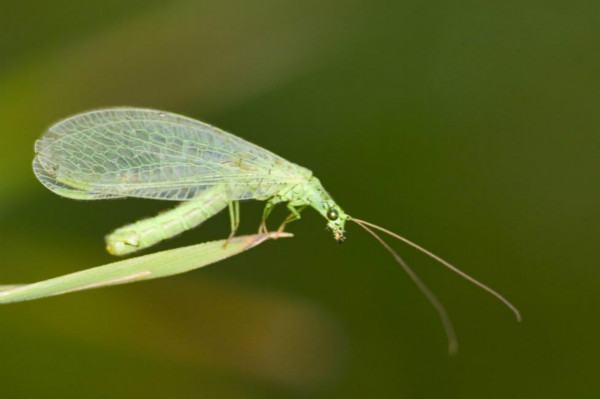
x: 129, y: 152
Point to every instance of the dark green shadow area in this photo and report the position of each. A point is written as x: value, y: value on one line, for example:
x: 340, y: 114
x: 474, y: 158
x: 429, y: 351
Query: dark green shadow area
x: 469, y: 127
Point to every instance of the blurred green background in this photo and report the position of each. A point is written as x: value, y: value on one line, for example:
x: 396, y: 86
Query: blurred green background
x: 470, y: 127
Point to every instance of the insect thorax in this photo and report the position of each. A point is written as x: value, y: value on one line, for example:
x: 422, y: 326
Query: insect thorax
x: 283, y: 182
x: 310, y: 192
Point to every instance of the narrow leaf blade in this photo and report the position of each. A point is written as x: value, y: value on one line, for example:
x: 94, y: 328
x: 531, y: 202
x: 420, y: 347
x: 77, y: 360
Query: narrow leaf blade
x: 146, y: 267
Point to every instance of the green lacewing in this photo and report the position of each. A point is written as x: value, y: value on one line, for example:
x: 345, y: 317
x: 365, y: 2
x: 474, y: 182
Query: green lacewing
x: 144, y: 153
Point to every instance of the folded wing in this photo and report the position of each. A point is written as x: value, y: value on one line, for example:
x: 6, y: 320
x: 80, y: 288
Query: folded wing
x: 130, y: 152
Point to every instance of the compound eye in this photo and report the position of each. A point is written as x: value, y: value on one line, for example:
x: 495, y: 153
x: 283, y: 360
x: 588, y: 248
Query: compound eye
x: 332, y: 214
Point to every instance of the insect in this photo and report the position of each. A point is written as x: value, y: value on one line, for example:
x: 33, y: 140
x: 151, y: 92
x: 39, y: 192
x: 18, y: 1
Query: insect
x: 131, y: 152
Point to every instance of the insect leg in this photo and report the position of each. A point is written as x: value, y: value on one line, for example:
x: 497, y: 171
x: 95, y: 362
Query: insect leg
x: 270, y: 204
x: 262, y: 228
x: 237, y: 214
x: 293, y: 216
x: 234, y: 217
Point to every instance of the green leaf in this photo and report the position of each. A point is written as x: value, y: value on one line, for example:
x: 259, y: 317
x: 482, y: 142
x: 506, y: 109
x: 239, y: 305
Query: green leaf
x: 156, y: 265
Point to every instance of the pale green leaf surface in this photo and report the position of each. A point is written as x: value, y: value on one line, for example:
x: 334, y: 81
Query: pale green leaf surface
x: 156, y: 265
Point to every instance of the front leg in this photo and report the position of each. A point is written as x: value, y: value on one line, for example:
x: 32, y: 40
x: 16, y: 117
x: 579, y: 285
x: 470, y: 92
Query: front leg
x: 293, y: 216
